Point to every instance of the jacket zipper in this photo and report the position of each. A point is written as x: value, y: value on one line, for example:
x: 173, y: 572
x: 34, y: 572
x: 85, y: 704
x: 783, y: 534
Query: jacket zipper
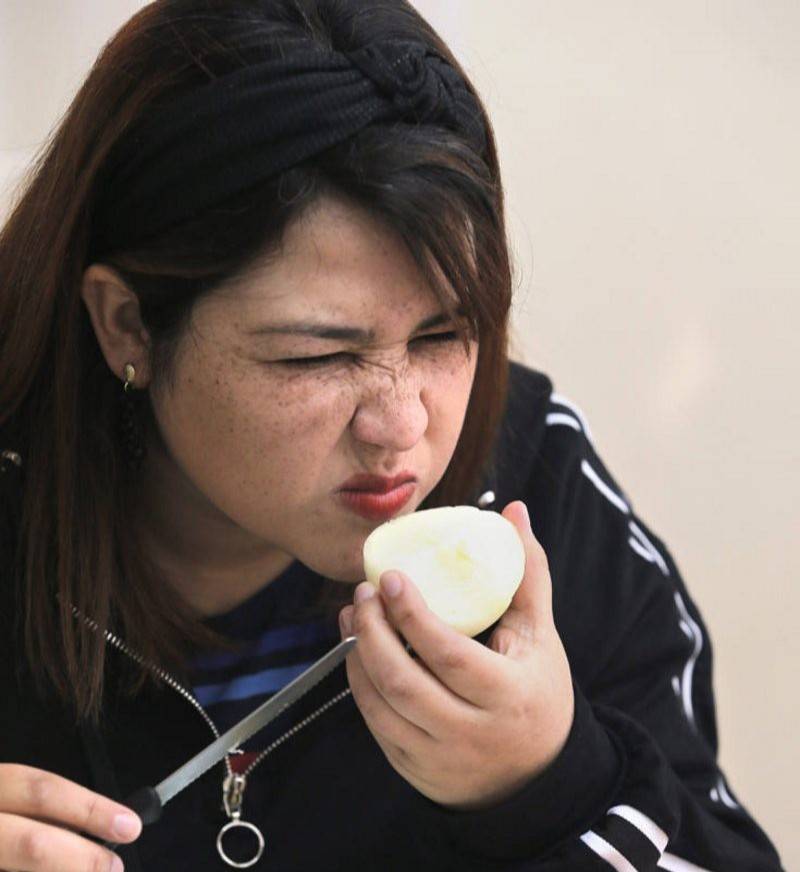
x: 486, y: 499
x: 234, y: 783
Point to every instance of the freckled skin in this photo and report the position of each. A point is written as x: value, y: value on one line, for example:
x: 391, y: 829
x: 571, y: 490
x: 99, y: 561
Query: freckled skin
x: 242, y: 473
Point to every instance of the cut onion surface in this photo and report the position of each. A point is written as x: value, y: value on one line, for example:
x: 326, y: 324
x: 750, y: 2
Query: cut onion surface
x: 466, y: 563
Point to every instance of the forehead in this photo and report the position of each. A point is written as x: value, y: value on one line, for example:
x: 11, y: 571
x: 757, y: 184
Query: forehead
x: 336, y: 258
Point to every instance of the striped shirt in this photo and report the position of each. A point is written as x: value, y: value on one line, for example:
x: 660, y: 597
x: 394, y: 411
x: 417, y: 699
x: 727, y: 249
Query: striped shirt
x: 278, y: 645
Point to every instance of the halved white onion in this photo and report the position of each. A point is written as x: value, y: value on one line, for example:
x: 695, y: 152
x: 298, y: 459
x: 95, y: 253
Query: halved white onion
x: 467, y: 563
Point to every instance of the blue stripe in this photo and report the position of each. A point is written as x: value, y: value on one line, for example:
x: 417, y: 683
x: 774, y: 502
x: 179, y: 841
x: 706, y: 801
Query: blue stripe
x: 281, y: 639
x: 258, y: 684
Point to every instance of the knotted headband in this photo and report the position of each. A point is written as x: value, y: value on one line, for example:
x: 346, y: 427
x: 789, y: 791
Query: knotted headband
x: 251, y: 124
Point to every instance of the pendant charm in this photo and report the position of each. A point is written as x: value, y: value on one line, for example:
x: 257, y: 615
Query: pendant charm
x: 232, y: 793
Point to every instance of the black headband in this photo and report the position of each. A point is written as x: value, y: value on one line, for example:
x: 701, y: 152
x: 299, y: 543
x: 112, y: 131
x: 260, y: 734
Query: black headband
x: 246, y: 126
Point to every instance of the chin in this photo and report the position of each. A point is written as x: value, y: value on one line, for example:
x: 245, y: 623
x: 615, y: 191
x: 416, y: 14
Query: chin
x: 347, y: 568
x: 355, y: 577
x: 342, y: 561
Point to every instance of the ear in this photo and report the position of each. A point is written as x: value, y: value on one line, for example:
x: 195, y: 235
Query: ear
x: 114, y: 312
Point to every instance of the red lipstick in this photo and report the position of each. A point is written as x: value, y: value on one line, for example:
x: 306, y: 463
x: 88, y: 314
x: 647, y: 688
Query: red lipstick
x: 375, y: 497
x: 378, y: 484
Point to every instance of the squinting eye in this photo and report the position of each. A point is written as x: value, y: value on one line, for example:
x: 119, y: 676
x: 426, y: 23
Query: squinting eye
x: 452, y: 336
x: 330, y: 358
x: 312, y: 361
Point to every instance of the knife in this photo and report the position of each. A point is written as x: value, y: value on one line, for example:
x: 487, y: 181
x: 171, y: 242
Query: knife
x: 148, y: 802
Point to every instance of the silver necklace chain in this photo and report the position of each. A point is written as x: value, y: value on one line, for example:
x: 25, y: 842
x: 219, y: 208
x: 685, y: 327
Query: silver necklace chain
x: 234, y: 783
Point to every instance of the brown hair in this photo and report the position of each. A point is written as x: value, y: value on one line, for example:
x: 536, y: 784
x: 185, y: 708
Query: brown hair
x: 57, y: 394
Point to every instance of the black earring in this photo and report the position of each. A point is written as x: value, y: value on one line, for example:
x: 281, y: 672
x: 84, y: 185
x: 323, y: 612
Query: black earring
x: 130, y: 425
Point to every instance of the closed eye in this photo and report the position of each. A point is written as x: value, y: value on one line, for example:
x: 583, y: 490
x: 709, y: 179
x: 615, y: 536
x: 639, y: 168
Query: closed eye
x: 327, y: 359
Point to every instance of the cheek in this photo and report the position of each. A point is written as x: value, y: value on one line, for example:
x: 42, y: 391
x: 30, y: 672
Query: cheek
x: 247, y: 427
x: 287, y: 434
x: 448, y: 391
x: 254, y: 448
x: 303, y: 405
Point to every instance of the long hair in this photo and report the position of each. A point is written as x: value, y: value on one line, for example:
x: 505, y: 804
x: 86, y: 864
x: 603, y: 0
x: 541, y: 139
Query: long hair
x: 74, y: 545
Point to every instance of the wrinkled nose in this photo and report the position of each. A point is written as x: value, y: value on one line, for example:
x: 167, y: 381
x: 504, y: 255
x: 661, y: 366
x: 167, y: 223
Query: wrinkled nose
x: 391, y: 414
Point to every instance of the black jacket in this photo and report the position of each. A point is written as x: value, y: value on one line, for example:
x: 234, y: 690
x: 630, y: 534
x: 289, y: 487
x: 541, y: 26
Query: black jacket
x: 636, y: 783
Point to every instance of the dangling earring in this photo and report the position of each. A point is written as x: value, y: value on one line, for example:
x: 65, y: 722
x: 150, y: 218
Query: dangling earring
x: 130, y: 426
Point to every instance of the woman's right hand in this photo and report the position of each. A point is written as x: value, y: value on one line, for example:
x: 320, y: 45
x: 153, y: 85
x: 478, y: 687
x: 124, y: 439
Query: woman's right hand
x: 41, y: 815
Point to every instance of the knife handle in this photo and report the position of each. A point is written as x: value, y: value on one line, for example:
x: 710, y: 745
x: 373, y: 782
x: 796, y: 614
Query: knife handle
x: 146, y: 803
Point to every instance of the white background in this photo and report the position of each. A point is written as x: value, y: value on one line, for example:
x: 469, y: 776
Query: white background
x: 650, y: 156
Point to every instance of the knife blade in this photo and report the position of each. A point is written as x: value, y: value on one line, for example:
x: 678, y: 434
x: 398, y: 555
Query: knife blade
x: 148, y: 802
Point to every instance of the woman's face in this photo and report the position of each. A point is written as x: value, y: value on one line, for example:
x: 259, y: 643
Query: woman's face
x: 263, y: 445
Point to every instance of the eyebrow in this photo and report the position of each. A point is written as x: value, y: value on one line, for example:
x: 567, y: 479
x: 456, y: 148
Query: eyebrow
x: 343, y: 334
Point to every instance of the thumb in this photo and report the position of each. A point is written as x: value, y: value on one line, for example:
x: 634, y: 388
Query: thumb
x: 531, y: 607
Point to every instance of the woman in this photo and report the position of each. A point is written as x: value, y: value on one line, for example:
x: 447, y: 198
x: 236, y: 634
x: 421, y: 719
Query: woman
x: 262, y: 263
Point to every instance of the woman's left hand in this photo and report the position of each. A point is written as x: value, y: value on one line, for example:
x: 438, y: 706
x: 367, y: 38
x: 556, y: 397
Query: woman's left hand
x: 465, y: 724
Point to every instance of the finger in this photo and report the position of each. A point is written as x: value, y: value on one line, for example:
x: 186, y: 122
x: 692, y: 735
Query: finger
x: 405, y: 683
x: 384, y: 722
x: 469, y: 669
x: 532, y: 604
x: 32, y: 792
x: 32, y: 846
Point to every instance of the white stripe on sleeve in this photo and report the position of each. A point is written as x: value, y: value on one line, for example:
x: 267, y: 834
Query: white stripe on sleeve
x: 554, y: 418
x: 688, y: 669
x: 639, y: 533
x: 725, y: 794
x: 640, y: 543
x: 675, y: 864
x: 644, y: 824
x: 607, y: 852
x: 588, y: 470
x: 561, y: 400
x: 640, y: 549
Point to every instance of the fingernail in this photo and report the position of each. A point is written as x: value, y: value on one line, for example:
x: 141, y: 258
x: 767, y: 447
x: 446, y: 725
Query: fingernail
x: 125, y: 826
x: 391, y: 584
x: 525, y: 513
x: 364, y: 592
x: 345, y: 621
x: 116, y: 865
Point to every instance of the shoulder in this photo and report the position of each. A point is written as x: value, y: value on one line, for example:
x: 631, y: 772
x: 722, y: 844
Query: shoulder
x: 544, y: 427
x: 544, y: 442
x: 607, y: 565
x: 549, y: 458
